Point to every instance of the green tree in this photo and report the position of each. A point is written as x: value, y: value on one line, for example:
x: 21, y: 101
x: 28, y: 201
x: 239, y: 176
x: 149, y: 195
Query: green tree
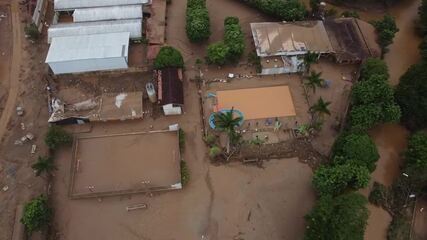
x: 365, y: 117
x: 285, y: 10
x: 373, y: 66
x: 422, y: 12
x: 227, y: 122
x: 412, y: 98
x: 321, y: 108
x: 44, y: 165
x: 37, y: 214
x: 342, y: 217
x: 313, y: 80
x: 56, y: 137
x: 357, y: 149
x: 423, y: 49
x: 334, y: 180
x: 197, y: 21
x: 217, y: 53
x: 386, y: 29
x: 309, y: 59
x: 375, y: 89
x: 168, y: 57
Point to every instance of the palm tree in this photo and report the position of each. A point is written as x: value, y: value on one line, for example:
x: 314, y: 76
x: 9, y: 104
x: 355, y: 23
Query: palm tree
x: 43, y: 165
x: 320, y: 108
x: 309, y: 59
x: 227, y: 122
x: 314, y: 80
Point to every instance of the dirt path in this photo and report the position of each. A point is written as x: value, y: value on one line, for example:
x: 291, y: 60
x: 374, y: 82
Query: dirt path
x: 14, y: 73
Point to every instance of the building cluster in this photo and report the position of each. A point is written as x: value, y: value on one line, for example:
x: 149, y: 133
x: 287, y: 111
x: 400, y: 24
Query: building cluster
x: 93, y: 35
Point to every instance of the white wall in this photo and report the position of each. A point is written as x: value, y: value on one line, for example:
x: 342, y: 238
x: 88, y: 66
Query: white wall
x: 88, y: 65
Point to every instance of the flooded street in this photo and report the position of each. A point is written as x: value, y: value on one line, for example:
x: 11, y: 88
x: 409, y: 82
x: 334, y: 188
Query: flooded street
x: 404, y: 50
x: 391, y: 139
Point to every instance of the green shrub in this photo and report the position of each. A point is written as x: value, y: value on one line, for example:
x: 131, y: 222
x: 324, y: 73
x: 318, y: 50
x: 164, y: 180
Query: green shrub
x: 375, y: 89
x: 214, y: 152
x: 210, y: 139
x: 43, y: 165
x: 373, y: 66
x: 365, y: 117
x: 339, y: 218
x: 358, y: 149
x: 333, y: 180
x: 32, y: 32
x: 185, y: 173
x: 352, y: 13
x: 217, y: 53
x: 57, y: 137
x: 37, y: 214
x: 234, y: 38
x: 285, y: 10
x: 168, y: 57
x: 255, y: 60
x: 181, y: 137
x: 378, y: 195
x: 197, y: 21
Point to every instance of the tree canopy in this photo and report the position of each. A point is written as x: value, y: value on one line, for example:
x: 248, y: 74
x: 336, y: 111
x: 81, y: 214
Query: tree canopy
x: 336, y: 179
x: 412, y: 98
x: 217, y: 53
x: 37, y: 214
x: 373, y: 66
x: 197, y: 21
x: 342, y: 217
x: 285, y: 10
x: 57, y: 137
x: 356, y: 148
x: 168, y: 57
x: 386, y: 29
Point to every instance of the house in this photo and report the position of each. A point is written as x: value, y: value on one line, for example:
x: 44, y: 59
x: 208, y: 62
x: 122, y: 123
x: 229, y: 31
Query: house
x: 91, y: 35
x: 170, y: 90
x: 283, y: 45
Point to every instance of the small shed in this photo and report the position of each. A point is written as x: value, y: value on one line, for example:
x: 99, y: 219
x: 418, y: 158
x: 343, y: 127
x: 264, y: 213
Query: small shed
x: 86, y: 53
x: 170, y: 90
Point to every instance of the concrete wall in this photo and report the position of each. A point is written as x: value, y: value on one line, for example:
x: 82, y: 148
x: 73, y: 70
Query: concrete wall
x: 88, y: 65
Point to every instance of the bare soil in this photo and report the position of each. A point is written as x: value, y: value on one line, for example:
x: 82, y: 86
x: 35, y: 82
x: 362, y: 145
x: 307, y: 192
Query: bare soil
x: 128, y: 162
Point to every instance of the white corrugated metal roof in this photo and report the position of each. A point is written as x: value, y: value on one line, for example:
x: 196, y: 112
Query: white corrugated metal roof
x: 63, y: 5
x: 73, y: 48
x: 133, y: 26
x: 108, y: 13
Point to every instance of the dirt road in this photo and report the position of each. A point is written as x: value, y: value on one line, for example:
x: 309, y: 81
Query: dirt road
x: 14, y: 72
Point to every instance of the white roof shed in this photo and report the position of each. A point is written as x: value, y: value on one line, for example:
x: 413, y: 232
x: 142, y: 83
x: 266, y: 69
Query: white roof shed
x: 76, y: 54
x: 132, y: 26
x: 108, y: 13
x: 69, y: 5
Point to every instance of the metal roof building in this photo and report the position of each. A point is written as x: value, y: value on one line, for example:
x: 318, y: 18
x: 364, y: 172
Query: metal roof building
x: 293, y: 38
x: 108, y: 13
x: 86, y: 53
x: 132, y: 26
x: 69, y: 5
